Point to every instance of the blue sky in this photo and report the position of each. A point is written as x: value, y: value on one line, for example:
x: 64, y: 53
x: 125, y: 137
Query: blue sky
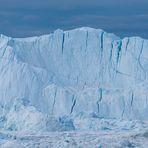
x: 21, y: 18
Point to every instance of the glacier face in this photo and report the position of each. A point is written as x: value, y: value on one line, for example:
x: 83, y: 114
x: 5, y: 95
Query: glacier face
x: 82, y: 72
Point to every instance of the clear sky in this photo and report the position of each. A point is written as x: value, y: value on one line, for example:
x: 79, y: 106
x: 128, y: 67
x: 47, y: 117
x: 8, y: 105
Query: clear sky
x: 21, y: 18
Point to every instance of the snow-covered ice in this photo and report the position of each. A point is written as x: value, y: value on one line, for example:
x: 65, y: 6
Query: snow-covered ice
x: 73, y: 81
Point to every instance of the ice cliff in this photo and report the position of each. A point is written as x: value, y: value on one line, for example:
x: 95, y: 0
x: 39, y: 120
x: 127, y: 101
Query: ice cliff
x: 81, y: 72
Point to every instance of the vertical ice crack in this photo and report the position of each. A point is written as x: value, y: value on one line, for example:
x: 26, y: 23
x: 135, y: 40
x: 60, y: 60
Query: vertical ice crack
x: 123, y: 108
x: 86, y: 39
x: 111, y: 61
x: 100, y: 99
x: 119, y: 50
x: 54, y: 100
x: 102, y: 43
x: 63, y: 40
x: 9, y: 44
x: 132, y: 99
x: 73, y: 105
x: 68, y: 34
x: 127, y: 43
x: 139, y: 58
x: 141, y: 50
x: 111, y: 51
x: 4, y: 52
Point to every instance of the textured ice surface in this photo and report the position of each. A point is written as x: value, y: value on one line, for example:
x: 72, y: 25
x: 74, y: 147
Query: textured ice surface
x: 89, y: 139
x: 71, y: 80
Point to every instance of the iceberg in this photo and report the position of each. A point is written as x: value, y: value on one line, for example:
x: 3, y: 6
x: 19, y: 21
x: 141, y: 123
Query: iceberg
x: 48, y: 82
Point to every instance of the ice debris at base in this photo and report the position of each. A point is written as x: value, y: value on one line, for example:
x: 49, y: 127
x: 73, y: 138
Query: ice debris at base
x: 75, y: 140
x: 73, y: 80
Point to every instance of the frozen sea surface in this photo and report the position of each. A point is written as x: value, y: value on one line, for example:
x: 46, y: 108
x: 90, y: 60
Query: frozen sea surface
x: 87, y: 139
